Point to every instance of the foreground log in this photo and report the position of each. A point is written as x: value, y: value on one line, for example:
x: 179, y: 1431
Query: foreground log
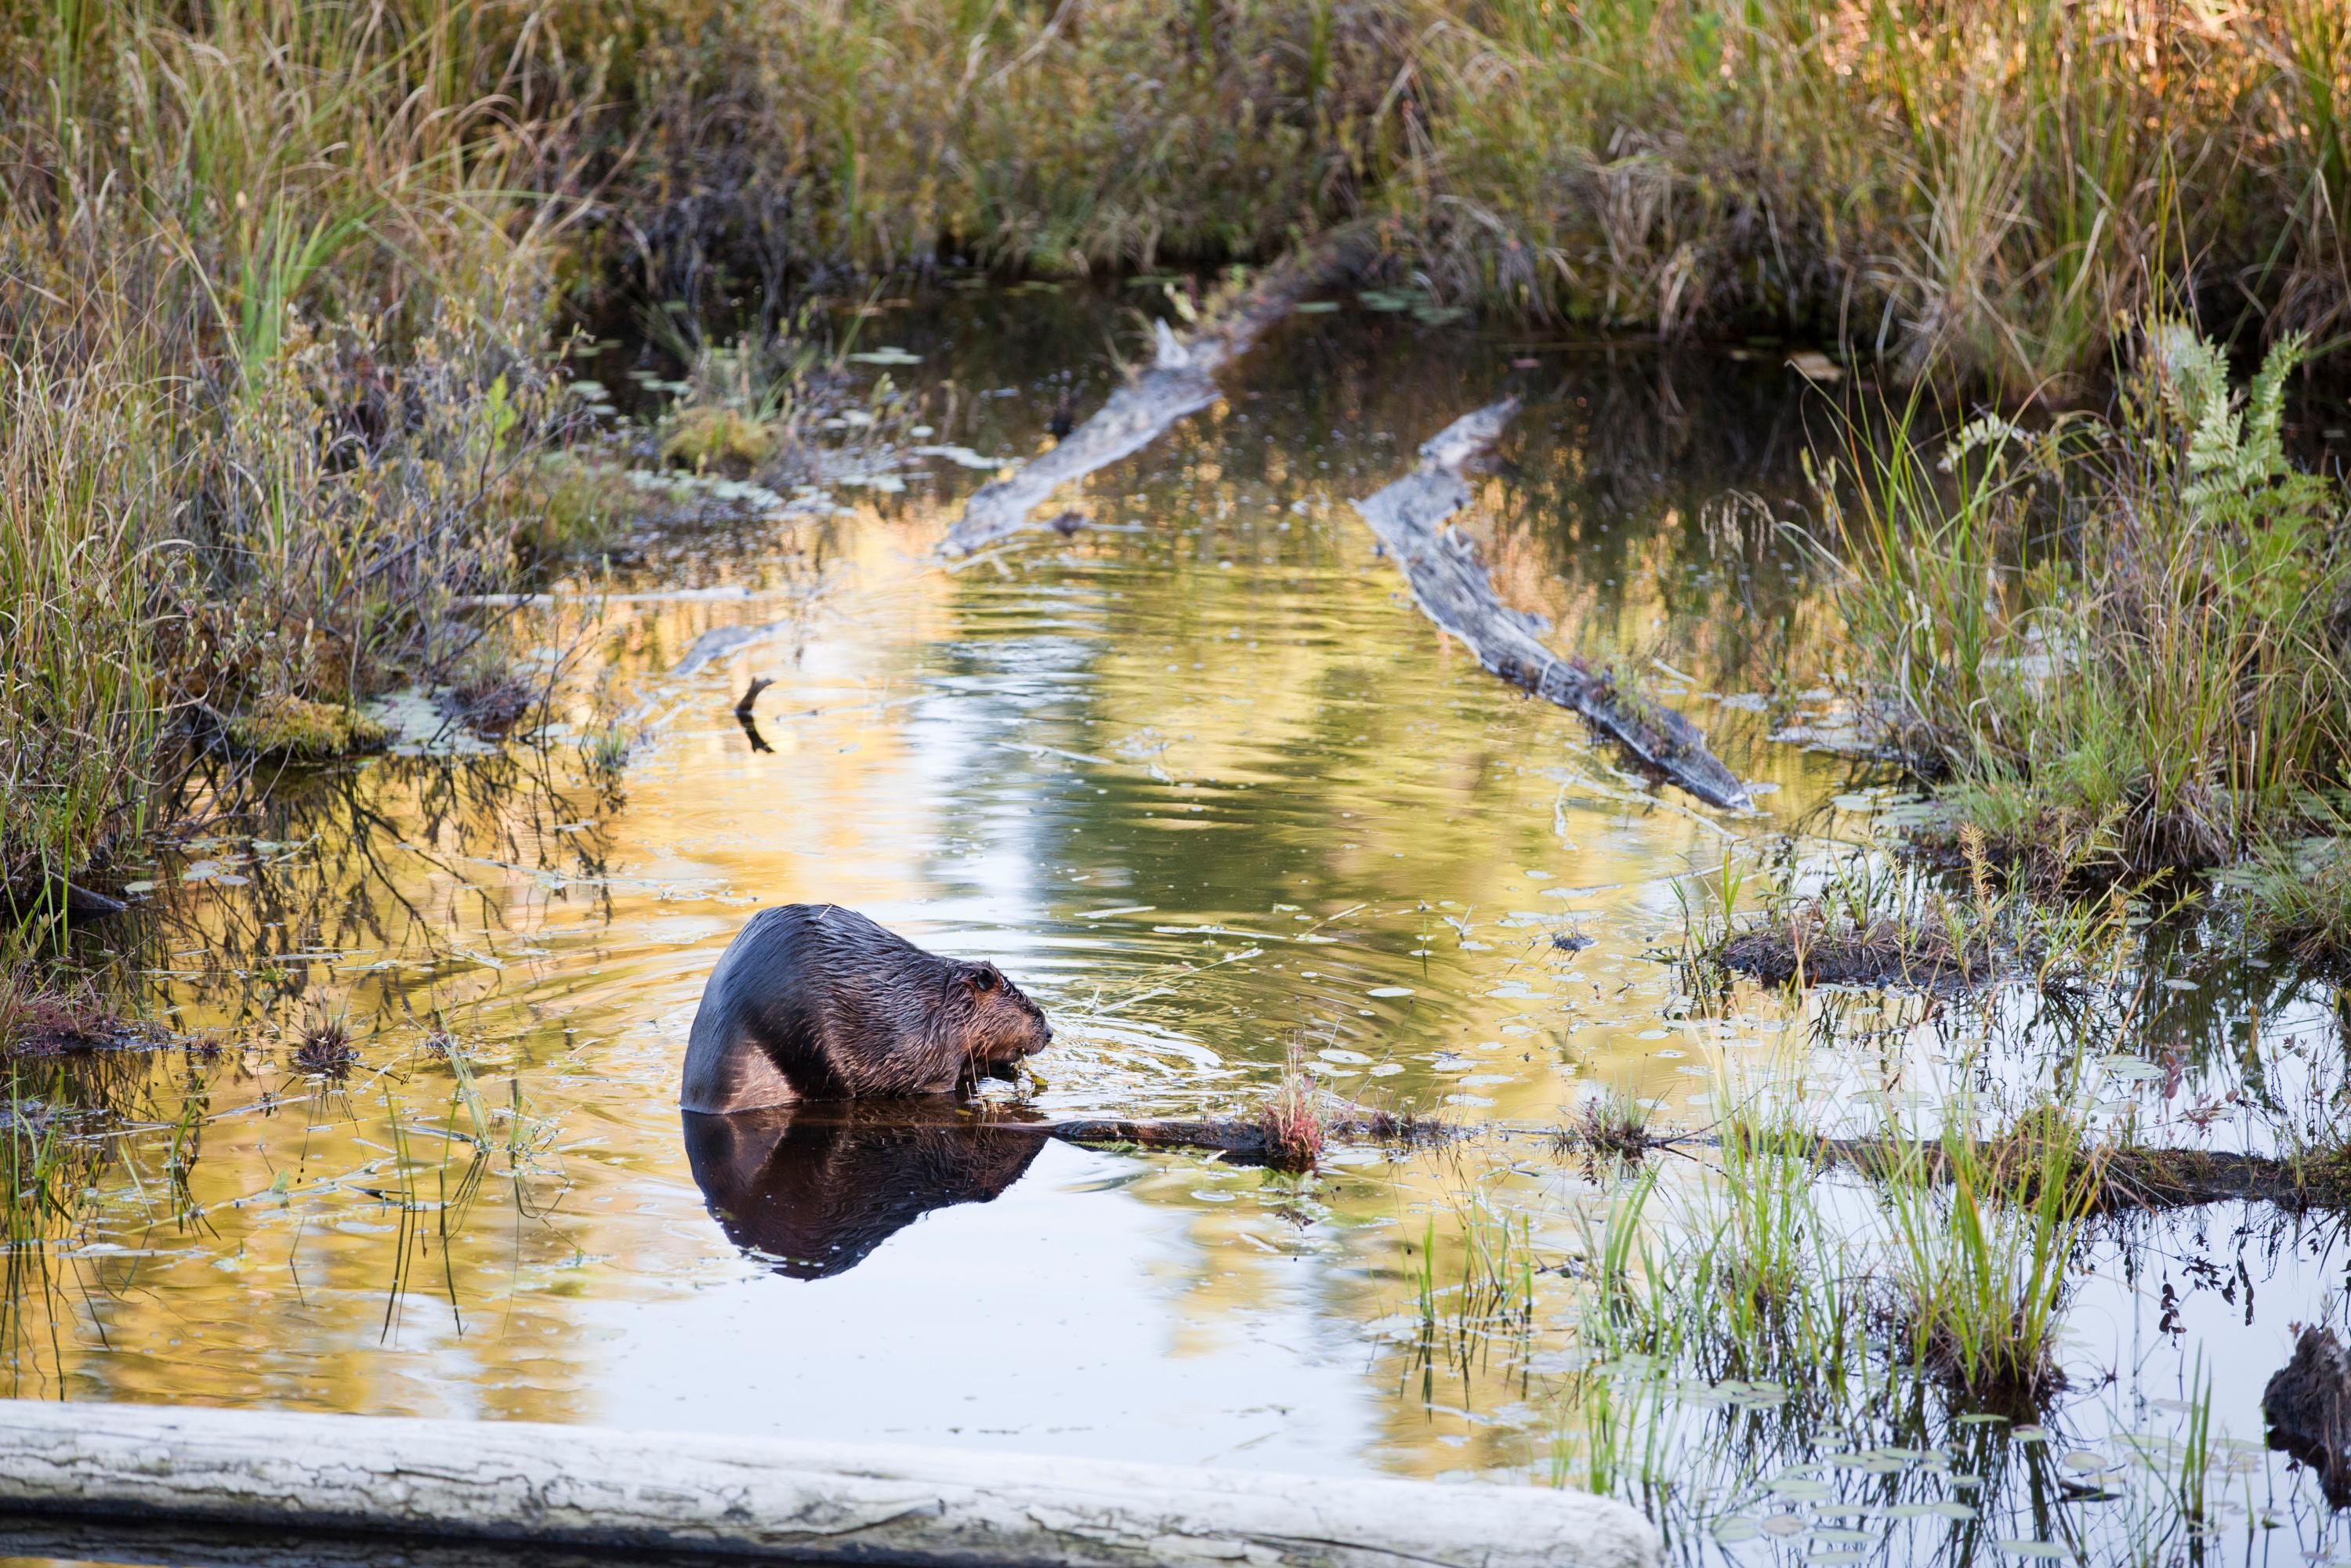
x: 688, y: 1493
x: 1453, y: 589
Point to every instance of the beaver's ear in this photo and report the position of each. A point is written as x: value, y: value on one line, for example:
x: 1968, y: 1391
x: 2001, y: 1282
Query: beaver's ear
x: 982, y: 978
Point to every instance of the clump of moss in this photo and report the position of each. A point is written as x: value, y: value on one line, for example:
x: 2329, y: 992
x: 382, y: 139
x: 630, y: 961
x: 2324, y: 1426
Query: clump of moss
x: 299, y: 730
x: 67, y: 1025
x: 716, y: 439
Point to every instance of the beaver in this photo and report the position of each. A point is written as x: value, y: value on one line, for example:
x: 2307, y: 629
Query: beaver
x: 812, y: 1001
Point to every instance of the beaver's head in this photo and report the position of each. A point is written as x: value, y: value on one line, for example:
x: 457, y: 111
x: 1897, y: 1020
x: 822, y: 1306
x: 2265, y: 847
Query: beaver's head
x: 1000, y: 1025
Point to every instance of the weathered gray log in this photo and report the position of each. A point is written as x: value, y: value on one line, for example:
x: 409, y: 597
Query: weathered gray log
x: 803, y: 1502
x: 1453, y: 589
x: 1180, y: 380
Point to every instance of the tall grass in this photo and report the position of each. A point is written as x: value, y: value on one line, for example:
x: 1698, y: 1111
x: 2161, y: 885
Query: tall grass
x: 1987, y: 187
x: 273, y: 312
x: 1982, y: 1235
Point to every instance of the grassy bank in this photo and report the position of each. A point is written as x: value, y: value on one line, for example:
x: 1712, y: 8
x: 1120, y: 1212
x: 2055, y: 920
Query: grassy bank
x: 275, y: 330
x: 2120, y: 644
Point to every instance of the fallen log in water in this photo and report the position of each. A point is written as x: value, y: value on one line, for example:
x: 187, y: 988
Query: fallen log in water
x: 694, y: 1494
x: 2127, y: 1177
x: 1180, y: 380
x: 1453, y: 589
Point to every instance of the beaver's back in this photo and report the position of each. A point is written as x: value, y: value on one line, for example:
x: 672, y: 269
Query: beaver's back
x: 812, y: 1001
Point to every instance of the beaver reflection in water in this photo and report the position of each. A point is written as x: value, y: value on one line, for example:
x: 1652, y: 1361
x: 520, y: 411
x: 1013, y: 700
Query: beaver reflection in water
x: 813, y: 1002
x: 812, y: 1189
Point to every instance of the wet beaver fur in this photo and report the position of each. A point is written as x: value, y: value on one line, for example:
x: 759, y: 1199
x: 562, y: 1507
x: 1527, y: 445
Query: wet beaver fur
x: 813, y: 1002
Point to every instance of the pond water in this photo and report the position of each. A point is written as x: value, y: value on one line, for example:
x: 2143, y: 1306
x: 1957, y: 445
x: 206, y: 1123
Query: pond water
x: 1207, y: 785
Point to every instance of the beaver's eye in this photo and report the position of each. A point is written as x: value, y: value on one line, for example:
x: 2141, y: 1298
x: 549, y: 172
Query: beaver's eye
x: 984, y: 980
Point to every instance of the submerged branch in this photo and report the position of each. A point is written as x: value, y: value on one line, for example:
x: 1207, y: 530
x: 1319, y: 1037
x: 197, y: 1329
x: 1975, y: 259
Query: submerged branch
x: 1453, y: 589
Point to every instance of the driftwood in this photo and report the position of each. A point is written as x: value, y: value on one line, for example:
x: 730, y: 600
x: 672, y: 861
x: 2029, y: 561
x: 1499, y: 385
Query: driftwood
x: 1453, y: 589
x: 692, y: 1493
x: 1180, y: 380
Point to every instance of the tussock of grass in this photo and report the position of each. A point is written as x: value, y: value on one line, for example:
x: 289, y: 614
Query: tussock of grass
x: 1291, y: 1119
x: 326, y: 1048
x: 1610, y: 1123
x: 1982, y: 1235
x: 1869, y: 919
x: 2297, y: 889
x: 37, y: 1021
x: 1964, y: 1280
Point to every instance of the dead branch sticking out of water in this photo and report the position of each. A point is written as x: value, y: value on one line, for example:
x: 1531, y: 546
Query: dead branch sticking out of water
x: 1453, y: 590
x: 1180, y: 380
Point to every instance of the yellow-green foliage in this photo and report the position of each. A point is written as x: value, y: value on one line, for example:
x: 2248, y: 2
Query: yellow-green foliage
x: 272, y: 306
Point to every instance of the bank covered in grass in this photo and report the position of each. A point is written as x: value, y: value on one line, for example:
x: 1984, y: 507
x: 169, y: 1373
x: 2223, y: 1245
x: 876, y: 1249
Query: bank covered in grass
x: 2119, y: 645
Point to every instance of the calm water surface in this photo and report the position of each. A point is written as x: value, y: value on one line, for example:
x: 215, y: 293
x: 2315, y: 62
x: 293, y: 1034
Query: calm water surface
x: 1203, y: 781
